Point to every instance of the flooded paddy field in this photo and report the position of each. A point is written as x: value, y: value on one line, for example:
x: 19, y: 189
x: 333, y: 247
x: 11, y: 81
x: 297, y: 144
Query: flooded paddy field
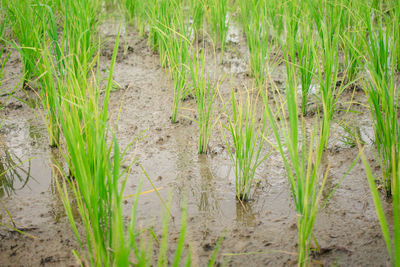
x: 258, y: 232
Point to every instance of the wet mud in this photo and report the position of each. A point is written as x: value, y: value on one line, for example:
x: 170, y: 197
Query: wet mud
x: 261, y: 232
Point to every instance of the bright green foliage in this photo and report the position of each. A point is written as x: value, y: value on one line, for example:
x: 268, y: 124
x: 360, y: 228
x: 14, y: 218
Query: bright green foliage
x: 3, y: 58
x: 248, y: 141
x: 49, y: 95
x: 204, y: 93
x: 395, y: 25
x: 275, y: 16
x: 135, y: 13
x: 197, y: 10
x: 80, y: 33
x: 129, y: 8
x: 302, y: 160
x: 306, y: 61
x: 95, y: 177
x: 218, y: 20
x: 39, y: 49
x: 327, y: 17
x: 392, y: 243
x: 173, y: 42
x: 50, y: 66
x: 382, y: 93
x: 152, y: 12
x: 3, y: 61
x: 298, y: 47
x: 254, y: 20
x: 25, y: 19
x: 97, y: 184
x: 353, y: 31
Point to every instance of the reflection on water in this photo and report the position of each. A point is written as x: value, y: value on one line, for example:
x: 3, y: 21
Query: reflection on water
x: 56, y: 206
x: 13, y: 175
x: 244, y: 213
x: 208, y: 200
x: 28, y: 170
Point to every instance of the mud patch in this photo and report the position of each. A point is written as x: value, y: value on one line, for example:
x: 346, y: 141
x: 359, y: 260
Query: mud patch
x: 262, y: 232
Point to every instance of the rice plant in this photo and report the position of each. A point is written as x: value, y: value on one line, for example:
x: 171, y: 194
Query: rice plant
x: 218, y: 21
x: 328, y: 27
x: 97, y: 186
x: 197, y: 10
x: 392, y: 240
x: 25, y: 20
x: 4, y: 56
x: 306, y: 61
x: 382, y: 92
x: 128, y: 7
x: 3, y: 62
x: 135, y: 14
x: 302, y: 160
x: 38, y: 59
x: 298, y: 48
x: 163, y: 16
x: 152, y: 18
x: 396, y: 32
x: 248, y: 141
x: 50, y: 66
x: 354, y: 29
x: 81, y: 32
x: 256, y: 28
x: 174, y: 42
x: 204, y: 93
x: 49, y: 95
x: 275, y: 16
x: 96, y: 178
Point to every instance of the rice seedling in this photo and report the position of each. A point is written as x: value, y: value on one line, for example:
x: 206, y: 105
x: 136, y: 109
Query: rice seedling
x: 351, y: 136
x: 39, y: 59
x: 153, y: 18
x: 83, y: 124
x: 395, y: 24
x: 50, y: 66
x: 81, y: 20
x: 353, y: 31
x: 204, y: 94
x: 4, y: 56
x: 49, y: 95
x: 382, y: 92
x: 218, y: 20
x: 302, y: 160
x: 25, y: 18
x: 135, y: 14
x: 175, y: 44
x: 392, y: 240
x: 275, y: 16
x: 197, y: 10
x: 129, y: 9
x: 298, y: 48
x: 98, y: 183
x: 256, y: 28
x: 306, y: 61
x: 163, y: 16
x: 247, y: 136
x: 327, y: 24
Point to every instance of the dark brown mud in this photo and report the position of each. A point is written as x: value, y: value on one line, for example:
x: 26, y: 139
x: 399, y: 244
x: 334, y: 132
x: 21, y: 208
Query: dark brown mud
x: 258, y: 233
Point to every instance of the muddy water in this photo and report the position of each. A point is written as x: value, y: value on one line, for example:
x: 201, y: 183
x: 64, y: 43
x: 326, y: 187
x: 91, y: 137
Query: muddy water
x: 261, y: 232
